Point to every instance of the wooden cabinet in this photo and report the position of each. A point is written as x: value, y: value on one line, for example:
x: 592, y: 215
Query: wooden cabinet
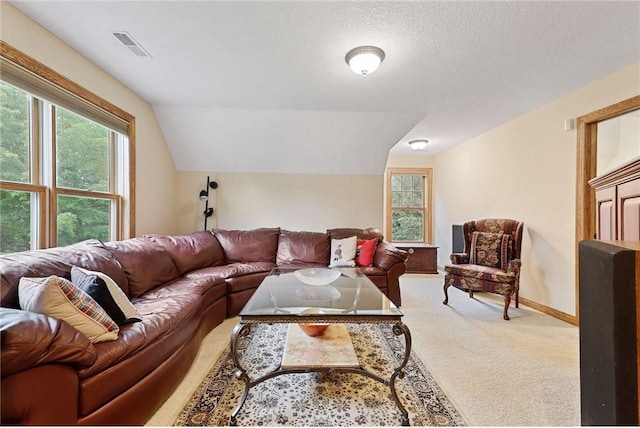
x: 628, y: 204
x: 618, y: 203
x: 423, y: 258
x: 606, y: 214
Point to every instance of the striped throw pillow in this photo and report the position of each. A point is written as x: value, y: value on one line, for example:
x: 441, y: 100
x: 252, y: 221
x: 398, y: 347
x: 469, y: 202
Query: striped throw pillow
x: 59, y: 298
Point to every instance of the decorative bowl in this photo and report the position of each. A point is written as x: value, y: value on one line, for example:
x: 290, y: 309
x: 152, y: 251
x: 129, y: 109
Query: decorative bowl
x: 317, y: 276
x: 313, y: 329
x: 317, y: 293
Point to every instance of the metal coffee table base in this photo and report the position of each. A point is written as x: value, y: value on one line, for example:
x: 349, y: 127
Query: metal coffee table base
x: 243, y: 329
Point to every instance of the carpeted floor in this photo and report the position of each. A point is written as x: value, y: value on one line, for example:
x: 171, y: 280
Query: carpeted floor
x: 319, y: 399
x: 523, y: 372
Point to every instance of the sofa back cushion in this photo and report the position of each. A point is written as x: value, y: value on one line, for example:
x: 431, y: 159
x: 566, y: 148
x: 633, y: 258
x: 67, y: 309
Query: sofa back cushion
x: 303, y: 247
x: 345, y: 232
x: 89, y: 254
x: 146, y: 263
x: 192, y: 251
x: 257, y: 245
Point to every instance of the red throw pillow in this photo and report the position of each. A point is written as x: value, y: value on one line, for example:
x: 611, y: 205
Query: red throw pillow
x: 365, y: 250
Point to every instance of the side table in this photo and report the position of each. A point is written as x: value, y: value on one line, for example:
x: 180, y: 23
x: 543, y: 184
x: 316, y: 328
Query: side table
x: 423, y: 258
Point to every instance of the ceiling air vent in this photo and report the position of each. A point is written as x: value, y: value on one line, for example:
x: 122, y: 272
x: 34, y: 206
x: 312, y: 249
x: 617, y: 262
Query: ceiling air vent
x: 128, y: 41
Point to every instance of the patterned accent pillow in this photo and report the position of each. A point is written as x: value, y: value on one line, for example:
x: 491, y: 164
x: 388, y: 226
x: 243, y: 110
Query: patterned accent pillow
x: 490, y: 249
x: 59, y: 298
x: 343, y: 252
x: 106, y: 293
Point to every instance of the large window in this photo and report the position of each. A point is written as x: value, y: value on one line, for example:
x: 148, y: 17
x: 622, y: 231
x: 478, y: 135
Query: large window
x: 65, y: 174
x: 409, y: 213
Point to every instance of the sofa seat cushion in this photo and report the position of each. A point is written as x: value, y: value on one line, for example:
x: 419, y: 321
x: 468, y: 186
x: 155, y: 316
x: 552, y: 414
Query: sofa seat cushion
x: 245, y: 282
x: 202, y: 286
x: 146, y: 263
x: 161, y: 315
x: 257, y: 245
x: 183, y: 285
x: 56, y: 261
x: 484, y: 273
x: 303, y: 247
x: 219, y: 272
x: 251, y: 268
x: 192, y: 251
x: 167, y: 325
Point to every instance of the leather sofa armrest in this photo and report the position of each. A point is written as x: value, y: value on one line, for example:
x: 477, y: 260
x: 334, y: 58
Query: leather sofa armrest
x: 459, y: 258
x: 29, y: 339
x: 386, y: 256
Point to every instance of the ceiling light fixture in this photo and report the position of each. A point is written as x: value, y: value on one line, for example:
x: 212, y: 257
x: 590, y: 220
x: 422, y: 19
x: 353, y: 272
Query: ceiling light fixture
x: 418, y: 144
x: 364, y: 60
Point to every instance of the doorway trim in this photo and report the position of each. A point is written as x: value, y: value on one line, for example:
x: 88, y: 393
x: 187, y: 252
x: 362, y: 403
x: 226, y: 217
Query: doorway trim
x: 587, y: 127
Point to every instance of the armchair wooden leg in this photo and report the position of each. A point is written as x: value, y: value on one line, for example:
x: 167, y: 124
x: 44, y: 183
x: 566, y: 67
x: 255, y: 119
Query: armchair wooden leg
x: 471, y: 293
x: 446, y: 294
x: 517, y: 298
x: 507, y: 301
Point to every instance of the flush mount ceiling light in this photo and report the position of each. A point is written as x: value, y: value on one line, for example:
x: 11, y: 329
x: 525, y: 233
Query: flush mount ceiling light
x: 418, y: 144
x: 364, y: 60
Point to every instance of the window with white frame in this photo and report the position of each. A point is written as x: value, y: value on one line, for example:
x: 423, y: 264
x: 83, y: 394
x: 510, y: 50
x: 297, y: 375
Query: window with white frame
x: 65, y: 171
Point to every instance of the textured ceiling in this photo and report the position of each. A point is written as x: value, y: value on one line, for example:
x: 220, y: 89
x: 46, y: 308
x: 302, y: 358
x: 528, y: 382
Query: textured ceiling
x: 263, y: 86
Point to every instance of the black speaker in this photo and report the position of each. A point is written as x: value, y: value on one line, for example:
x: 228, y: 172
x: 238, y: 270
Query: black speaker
x: 457, y: 243
x: 608, y: 336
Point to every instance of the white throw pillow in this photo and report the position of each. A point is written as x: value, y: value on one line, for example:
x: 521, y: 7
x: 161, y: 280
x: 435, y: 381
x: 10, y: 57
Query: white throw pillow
x: 343, y: 252
x: 129, y: 313
x: 59, y: 298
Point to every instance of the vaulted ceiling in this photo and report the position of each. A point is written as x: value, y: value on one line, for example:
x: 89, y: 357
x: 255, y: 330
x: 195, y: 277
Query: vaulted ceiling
x: 263, y: 86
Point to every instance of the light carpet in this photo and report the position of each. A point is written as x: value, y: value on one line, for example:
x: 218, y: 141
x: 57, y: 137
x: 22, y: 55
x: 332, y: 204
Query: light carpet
x: 319, y: 399
x: 523, y: 372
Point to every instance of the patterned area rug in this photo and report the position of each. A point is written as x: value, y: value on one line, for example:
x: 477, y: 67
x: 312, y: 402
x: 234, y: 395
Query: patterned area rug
x: 319, y: 399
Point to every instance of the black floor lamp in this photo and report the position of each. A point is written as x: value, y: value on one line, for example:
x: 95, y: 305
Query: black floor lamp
x: 204, y: 196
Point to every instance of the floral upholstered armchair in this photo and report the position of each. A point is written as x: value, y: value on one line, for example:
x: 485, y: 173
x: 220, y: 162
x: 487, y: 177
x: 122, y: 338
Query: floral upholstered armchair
x: 490, y: 262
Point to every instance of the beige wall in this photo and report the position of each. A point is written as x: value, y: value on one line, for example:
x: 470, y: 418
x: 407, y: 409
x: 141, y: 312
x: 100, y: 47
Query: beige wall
x: 618, y: 141
x: 526, y: 170
x: 291, y: 201
x: 155, y: 172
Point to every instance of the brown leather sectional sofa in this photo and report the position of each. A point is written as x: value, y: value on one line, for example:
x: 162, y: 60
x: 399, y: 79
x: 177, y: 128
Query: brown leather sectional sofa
x: 182, y: 286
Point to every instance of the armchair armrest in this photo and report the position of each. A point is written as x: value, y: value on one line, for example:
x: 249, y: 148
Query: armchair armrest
x: 386, y: 256
x: 30, y: 339
x: 513, y: 268
x: 459, y: 258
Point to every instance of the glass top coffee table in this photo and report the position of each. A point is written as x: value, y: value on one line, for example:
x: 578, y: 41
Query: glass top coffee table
x: 319, y: 296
